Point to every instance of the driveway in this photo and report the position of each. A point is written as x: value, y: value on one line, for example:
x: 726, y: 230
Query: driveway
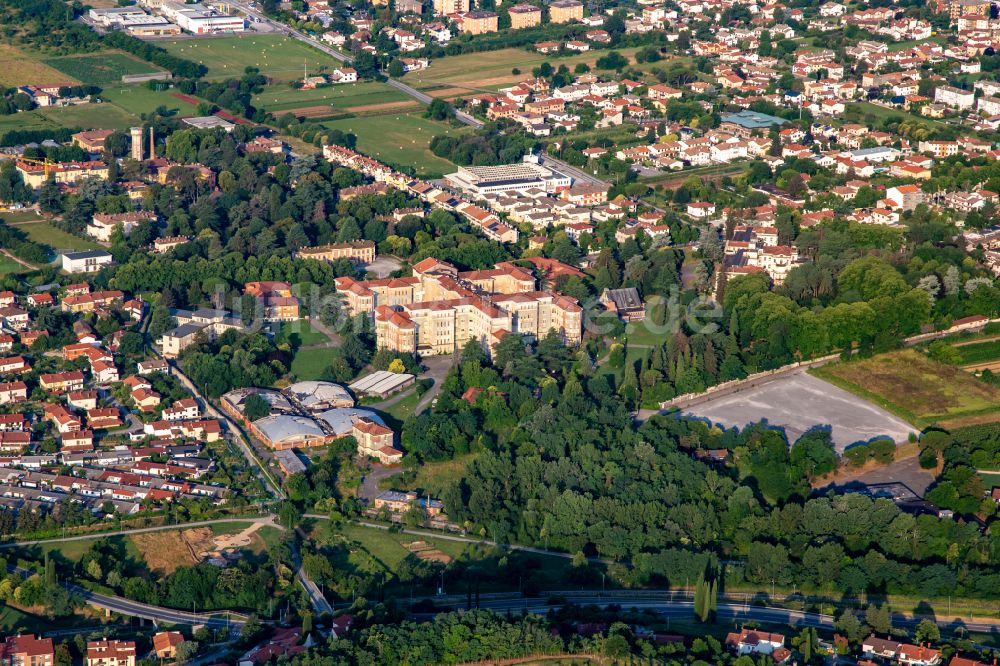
x: 437, y: 369
x: 369, y: 490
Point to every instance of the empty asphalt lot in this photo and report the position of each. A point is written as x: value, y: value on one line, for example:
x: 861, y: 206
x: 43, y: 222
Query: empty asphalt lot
x: 798, y: 402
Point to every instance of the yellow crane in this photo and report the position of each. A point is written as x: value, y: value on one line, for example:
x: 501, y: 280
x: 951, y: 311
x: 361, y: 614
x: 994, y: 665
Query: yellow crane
x: 44, y: 163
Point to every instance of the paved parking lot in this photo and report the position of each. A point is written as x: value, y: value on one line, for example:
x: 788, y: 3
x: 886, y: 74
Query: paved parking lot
x: 799, y: 402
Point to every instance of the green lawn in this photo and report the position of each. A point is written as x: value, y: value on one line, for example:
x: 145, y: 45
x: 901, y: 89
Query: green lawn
x: 44, y: 232
x: 281, y: 97
x: 276, y: 56
x: 138, y: 99
x: 74, y: 550
x: 387, y: 547
x: 85, y: 116
x: 643, y: 333
x: 401, y: 139
x: 100, y: 69
x: 403, y: 409
x: 302, y: 331
x: 9, y: 266
x: 311, y: 363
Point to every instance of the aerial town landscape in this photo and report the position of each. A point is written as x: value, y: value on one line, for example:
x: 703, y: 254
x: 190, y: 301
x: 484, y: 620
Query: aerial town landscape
x: 540, y: 332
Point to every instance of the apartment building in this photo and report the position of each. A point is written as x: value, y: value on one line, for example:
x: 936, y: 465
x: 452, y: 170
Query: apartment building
x: 565, y: 11
x: 954, y: 97
x: 480, y: 23
x: 27, y: 650
x: 110, y: 653
x: 524, y: 16
x: 444, y: 7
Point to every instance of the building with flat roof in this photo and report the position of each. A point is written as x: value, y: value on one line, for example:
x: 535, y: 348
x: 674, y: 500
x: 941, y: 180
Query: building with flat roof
x: 209, y: 122
x: 87, y: 261
x: 517, y: 177
x: 479, y: 22
x: 445, y: 7
x: 565, y: 11
x: 524, y: 16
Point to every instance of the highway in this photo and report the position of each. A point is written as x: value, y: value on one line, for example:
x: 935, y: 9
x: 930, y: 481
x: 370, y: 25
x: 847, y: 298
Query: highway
x: 727, y: 612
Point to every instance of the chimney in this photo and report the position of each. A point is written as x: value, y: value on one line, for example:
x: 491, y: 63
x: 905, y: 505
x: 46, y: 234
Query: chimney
x: 152, y: 145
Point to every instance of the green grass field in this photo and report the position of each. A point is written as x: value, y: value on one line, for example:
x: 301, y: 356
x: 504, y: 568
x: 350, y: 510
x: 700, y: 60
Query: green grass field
x: 100, y: 69
x: 138, y: 99
x: 311, y: 363
x: 914, y: 387
x: 400, y: 138
x: 44, y: 232
x: 8, y: 266
x: 301, y: 332
x: 86, y: 116
x: 226, y: 57
x: 280, y: 97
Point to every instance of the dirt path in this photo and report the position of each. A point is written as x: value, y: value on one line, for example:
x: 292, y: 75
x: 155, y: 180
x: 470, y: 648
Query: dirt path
x: 977, y: 341
x: 22, y: 262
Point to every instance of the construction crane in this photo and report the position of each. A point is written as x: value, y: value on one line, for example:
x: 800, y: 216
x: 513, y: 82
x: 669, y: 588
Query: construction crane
x: 42, y: 162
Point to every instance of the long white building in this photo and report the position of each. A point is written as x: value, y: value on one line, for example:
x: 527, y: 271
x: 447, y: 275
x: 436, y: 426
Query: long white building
x: 520, y: 177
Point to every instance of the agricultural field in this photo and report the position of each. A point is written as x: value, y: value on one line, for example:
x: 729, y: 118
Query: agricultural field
x: 276, y: 56
x: 399, y: 138
x: 57, y: 239
x: 100, y: 69
x: 979, y: 353
x: 466, y: 74
x: 18, y: 68
x: 337, y: 99
x: 914, y: 387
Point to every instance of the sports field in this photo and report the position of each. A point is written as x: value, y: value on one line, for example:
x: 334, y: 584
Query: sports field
x: 474, y: 72
x: 350, y: 97
x: 101, y: 68
x: 18, y: 68
x: 400, y: 138
x: 138, y: 99
x: 911, y: 385
x: 226, y: 57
